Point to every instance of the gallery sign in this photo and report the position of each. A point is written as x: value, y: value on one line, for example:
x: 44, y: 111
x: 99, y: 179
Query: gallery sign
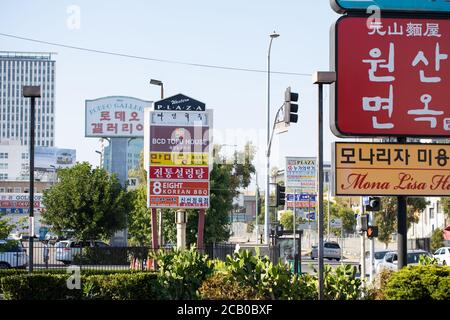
x: 395, y: 81
x: 115, y: 116
x: 342, y: 6
x: 390, y: 169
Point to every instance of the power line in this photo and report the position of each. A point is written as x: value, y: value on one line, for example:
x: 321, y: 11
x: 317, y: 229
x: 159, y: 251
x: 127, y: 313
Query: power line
x: 124, y: 55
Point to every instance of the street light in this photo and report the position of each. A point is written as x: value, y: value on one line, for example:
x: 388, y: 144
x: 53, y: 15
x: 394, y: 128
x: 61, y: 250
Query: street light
x: 32, y: 92
x: 266, y: 209
x: 158, y: 83
x: 101, y: 157
x: 320, y: 78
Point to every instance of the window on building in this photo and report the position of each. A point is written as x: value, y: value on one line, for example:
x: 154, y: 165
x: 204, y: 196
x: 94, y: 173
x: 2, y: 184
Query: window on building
x: 17, y: 189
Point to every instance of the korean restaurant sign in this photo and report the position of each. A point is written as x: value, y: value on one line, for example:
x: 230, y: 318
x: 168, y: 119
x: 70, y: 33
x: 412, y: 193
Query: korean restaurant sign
x: 300, y: 175
x: 115, y: 116
x: 395, y: 81
x: 176, y: 143
x: 390, y: 169
x: 342, y: 6
x: 11, y: 203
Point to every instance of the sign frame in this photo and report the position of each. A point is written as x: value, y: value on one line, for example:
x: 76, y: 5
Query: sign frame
x: 334, y: 90
x: 339, y: 7
x: 365, y: 192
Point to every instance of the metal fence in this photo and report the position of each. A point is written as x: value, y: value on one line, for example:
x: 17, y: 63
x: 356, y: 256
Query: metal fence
x: 103, y: 258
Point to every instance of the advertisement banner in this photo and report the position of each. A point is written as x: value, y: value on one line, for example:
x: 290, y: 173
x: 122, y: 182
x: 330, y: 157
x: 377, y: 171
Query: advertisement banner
x: 116, y: 116
x: 179, y: 159
x: 51, y: 158
x: 179, y: 139
x: 391, y: 169
x: 19, y: 203
x: 177, y: 173
x: 300, y: 174
x: 177, y: 188
x: 395, y: 81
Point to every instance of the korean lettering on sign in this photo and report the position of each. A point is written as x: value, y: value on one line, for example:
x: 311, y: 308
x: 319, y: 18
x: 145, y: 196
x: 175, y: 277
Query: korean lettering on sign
x: 392, y: 169
x: 395, y: 81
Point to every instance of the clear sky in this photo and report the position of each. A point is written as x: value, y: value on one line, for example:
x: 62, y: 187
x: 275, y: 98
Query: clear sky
x: 232, y: 33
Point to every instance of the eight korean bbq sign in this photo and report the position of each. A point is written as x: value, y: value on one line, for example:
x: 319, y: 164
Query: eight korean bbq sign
x: 178, y: 142
x: 115, y: 117
x: 391, y: 169
x: 395, y: 81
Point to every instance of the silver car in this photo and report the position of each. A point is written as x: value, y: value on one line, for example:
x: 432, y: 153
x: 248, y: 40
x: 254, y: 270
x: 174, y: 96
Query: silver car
x: 12, y: 254
x: 331, y: 250
x: 390, y: 260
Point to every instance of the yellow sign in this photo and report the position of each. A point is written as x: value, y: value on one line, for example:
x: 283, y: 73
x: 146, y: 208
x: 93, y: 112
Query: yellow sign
x: 178, y: 159
x: 391, y: 169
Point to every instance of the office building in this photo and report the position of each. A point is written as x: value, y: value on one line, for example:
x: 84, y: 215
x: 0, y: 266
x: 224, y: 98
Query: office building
x: 18, y: 69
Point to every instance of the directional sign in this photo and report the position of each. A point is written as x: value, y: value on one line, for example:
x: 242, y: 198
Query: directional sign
x: 395, y: 81
x: 391, y: 169
x: 342, y: 6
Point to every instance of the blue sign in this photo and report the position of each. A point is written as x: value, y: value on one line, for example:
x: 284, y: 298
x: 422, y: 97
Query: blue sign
x: 301, y: 197
x: 42, y: 232
x: 13, y: 210
x: 341, y: 6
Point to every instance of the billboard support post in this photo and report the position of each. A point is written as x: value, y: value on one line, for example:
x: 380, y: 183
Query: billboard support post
x: 154, y: 229
x: 201, y: 225
x: 181, y: 220
x: 402, y: 228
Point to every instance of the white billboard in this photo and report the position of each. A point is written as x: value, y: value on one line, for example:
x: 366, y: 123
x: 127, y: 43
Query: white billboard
x: 115, y: 116
x: 51, y: 158
x: 301, y: 175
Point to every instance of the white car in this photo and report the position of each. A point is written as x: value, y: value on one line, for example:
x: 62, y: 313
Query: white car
x: 377, y: 259
x: 12, y: 254
x: 66, y: 250
x: 331, y: 250
x: 443, y: 255
x: 390, y: 260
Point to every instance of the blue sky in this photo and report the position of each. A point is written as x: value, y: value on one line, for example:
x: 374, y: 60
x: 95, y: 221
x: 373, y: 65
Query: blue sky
x: 232, y: 33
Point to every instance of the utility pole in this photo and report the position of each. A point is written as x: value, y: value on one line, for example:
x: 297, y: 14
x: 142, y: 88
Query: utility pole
x: 257, y: 208
x: 363, y: 249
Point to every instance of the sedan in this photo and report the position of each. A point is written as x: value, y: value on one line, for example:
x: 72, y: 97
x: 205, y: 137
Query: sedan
x: 331, y: 250
x: 443, y: 256
x: 390, y: 260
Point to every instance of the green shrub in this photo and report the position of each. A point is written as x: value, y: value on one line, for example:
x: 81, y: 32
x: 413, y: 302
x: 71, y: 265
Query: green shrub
x: 341, y: 283
x: 134, y: 286
x: 221, y: 286
x: 417, y: 282
x: 437, y: 239
x: 275, y: 282
x: 181, y: 273
x: 37, y: 287
x: 442, y: 292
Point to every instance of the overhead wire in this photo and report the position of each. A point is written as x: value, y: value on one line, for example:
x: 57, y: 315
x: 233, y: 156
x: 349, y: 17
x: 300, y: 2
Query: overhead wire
x: 124, y: 55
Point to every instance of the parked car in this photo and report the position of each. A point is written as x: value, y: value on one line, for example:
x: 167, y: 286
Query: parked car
x: 331, y: 250
x: 66, y: 250
x: 12, y: 254
x: 378, y: 257
x: 390, y: 259
x: 443, y: 256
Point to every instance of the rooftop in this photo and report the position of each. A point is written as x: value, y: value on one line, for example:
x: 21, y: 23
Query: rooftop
x: 26, y: 55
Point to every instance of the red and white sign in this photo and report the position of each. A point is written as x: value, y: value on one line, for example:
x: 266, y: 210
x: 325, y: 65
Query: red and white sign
x: 393, y: 77
x: 115, y: 117
x: 178, y: 188
x: 179, y: 173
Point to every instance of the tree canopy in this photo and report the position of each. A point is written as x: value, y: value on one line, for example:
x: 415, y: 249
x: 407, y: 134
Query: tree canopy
x: 88, y: 201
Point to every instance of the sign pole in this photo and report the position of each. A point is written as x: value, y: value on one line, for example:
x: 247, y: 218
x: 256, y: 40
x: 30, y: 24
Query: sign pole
x: 201, y: 225
x: 320, y: 193
x: 154, y: 229
x: 294, y: 234
x: 402, y: 228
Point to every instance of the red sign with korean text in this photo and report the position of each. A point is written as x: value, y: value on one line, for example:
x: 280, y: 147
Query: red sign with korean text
x: 177, y: 173
x: 393, y: 77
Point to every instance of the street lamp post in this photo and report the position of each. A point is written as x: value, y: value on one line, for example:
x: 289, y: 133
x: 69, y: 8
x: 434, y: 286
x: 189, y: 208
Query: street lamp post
x: 160, y: 218
x: 266, y: 209
x: 32, y: 92
x: 320, y: 78
x: 101, y: 157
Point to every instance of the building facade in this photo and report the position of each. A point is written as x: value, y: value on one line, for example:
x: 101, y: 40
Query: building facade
x: 135, y: 147
x: 18, y: 69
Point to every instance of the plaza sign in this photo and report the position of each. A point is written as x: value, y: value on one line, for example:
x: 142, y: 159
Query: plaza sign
x: 391, y: 169
x: 342, y: 6
x: 395, y: 81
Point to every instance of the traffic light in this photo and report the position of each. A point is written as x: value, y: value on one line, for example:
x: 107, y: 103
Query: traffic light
x: 374, y: 204
x: 290, y: 109
x: 281, y: 195
x: 372, y: 232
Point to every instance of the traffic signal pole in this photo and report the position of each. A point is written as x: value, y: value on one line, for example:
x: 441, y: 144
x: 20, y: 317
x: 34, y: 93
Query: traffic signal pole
x: 363, y: 250
x: 371, y: 249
